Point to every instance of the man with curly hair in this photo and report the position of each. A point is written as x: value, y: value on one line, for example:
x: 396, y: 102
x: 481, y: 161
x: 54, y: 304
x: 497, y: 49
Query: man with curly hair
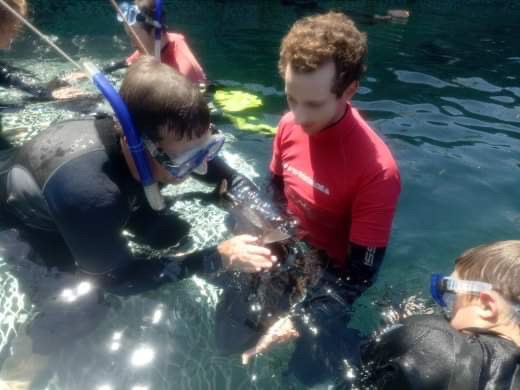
x: 338, y: 179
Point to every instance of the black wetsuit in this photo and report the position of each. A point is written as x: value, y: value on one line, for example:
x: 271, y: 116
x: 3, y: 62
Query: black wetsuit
x: 71, y: 185
x: 10, y: 79
x: 426, y: 353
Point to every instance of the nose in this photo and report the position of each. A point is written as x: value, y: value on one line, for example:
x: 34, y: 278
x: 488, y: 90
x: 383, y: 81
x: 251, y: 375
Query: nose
x: 300, y: 116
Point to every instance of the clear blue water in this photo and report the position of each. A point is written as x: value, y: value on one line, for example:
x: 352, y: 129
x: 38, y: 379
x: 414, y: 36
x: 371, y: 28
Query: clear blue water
x: 442, y: 88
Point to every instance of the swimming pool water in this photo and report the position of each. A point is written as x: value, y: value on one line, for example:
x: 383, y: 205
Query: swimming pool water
x: 442, y: 88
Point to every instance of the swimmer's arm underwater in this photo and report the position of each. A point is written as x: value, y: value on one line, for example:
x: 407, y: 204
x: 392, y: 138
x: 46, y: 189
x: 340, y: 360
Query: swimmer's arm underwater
x: 332, y: 296
x: 10, y: 80
x: 115, y: 65
x: 243, y: 191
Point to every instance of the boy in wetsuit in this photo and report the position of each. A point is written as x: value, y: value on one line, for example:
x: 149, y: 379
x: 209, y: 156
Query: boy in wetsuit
x: 338, y: 179
x: 76, y: 185
x: 477, y: 345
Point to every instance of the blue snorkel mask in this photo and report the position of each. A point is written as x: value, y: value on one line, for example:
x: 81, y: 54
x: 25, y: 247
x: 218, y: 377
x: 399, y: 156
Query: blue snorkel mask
x: 191, y: 161
x: 133, y: 15
x: 444, y: 290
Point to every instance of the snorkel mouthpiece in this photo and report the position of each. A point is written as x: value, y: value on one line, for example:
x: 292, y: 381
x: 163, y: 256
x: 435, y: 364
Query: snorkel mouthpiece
x: 135, y: 143
x: 158, y: 30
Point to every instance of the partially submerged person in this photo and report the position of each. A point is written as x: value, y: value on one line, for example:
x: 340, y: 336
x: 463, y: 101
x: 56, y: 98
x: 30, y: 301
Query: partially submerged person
x: 338, y: 179
x: 475, y: 346
x: 175, y: 52
x: 76, y: 185
x: 9, y: 76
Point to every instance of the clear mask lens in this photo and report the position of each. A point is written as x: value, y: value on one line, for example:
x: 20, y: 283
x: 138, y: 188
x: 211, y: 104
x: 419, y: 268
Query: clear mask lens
x: 130, y: 11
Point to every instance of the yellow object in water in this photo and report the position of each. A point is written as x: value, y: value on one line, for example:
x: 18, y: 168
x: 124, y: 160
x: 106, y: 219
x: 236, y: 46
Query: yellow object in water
x: 250, y: 123
x: 238, y: 107
x: 236, y: 101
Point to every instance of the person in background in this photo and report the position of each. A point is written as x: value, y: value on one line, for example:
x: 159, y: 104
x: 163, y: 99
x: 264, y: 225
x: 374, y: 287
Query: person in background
x: 175, y: 52
x: 9, y: 76
x: 476, y: 345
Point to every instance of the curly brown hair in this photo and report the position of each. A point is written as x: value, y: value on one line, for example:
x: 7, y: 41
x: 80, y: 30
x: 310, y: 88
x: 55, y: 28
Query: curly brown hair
x: 315, y: 40
x: 9, y: 23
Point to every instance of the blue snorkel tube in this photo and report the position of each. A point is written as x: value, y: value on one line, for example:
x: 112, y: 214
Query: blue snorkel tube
x: 135, y: 143
x: 158, y: 29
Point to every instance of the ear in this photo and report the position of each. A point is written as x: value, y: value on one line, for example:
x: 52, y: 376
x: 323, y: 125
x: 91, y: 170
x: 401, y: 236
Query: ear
x: 489, y: 306
x: 350, y: 91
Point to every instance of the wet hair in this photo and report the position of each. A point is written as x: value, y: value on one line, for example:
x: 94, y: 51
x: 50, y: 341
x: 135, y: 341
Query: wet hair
x: 9, y: 23
x: 161, y: 99
x: 497, y: 263
x: 147, y: 7
x: 315, y: 40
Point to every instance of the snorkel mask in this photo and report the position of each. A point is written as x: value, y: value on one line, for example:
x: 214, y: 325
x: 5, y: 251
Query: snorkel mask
x: 133, y: 14
x: 190, y: 161
x: 444, y: 290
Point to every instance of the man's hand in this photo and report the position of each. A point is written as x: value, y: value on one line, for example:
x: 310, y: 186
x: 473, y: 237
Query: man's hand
x: 280, y: 332
x: 67, y: 93
x: 241, y: 254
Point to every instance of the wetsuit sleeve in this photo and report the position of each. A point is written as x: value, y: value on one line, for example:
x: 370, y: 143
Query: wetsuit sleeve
x: 219, y: 170
x: 10, y: 80
x: 115, y: 65
x: 362, y: 268
x: 275, y: 188
x: 373, y: 208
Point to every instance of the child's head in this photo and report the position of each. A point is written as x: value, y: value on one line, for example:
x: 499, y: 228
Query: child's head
x: 10, y: 24
x: 494, y: 301
x: 144, y: 27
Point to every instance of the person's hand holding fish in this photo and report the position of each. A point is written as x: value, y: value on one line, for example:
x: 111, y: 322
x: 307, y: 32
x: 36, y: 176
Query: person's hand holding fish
x: 242, y: 253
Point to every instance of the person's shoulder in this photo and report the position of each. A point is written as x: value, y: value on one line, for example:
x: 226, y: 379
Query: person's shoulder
x: 286, y: 122
x: 376, y: 152
x: 413, y: 331
x: 287, y: 119
x: 416, y: 354
x: 175, y: 37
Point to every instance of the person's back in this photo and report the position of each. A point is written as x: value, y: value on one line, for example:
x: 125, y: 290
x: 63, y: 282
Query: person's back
x: 425, y: 352
x: 477, y: 345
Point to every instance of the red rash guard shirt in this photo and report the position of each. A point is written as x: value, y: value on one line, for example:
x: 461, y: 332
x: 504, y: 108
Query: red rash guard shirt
x: 178, y: 55
x: 342, y: 184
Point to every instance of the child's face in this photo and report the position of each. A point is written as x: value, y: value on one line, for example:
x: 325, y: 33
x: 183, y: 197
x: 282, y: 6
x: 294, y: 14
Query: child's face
x: 487, y: 309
